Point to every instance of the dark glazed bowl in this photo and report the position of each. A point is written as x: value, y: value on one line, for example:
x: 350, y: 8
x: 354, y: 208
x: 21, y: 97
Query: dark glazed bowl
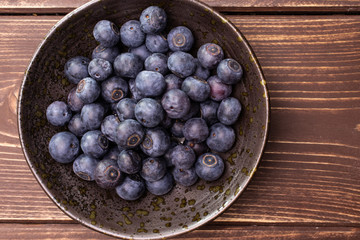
x: 151, y: 217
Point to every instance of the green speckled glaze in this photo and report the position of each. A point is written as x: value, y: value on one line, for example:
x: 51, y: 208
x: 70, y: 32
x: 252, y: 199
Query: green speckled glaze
x: 150, y: 217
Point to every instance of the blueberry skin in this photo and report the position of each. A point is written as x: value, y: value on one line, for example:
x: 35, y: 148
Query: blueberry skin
x: 92, y: 115
x: 210, y: 55
x: 64, y: 147
x: 113, y: 153
x: 166, y: 122
x: 88, y: 90
x: 157, y: 62
x: 173, y: 82
x: 128, y: 65
x: 218, y: 89
x: 229, y: 71
x: 196, y: 88
x: 167, y: 155
x: 153, y: 20
x: 107, y: 174
x: 76, y: 68
x: 142, y: 52
x: 177, y: 129
x: 229, y: 111
x: 114, y: 89
x: 209, y: 167
x: 135, y: 93
x: 129, y: 161
x: 106, y: 33
x: 130, y: 134
x: 150, y: 84
x: 153, y: 169
x: 181, y: 64
x: 193, y: 112
x: 156, y: 43
x: 100, y: 69
x: 156, y: 142
x: 208, y: 111
x: 84, y: 167
x: 183, y: 157
x: 180, y: 39
x: 125, y: 109
x: 185, y: 178
x: 162, y: 186
x: 200, y: 71
x: 74, y: 102
x: 132, y: 188
x: 94, y: 144
x: 106, y: 53
x: 109, y: 126
x: 76, y: 126
x: 131, y: 34
x: 199, y: 148
x: 221, y: 138
x: 149, y: 112
x: 58, y: 113
x: 176, y: 103
x: 196, y: 130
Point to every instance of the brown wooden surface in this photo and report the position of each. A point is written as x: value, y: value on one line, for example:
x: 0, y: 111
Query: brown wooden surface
x: 308, y: 183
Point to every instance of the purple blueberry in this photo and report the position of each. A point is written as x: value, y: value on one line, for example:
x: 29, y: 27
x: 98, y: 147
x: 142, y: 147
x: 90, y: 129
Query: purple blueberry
x: 113, y: 153
x: 180, y: 39
x: 64, y: 147
x: 142, y: 52
x: 209, y: 55
x: 173, y: 82
x: 150, y: 84
x: 193, y: 112
x: 208, y: 111
x: 58, y: 113
x: 94, y: 144
x: 200, y: 71
x: 218, y: 89
x: 229, y: 71
x: 128, y: 65
x: 196, y: 130
x: 156, y: 43
x: 130, y: 134
x: 176, y: 103
x: 153, y: 20
x: 209, y: 166
x: 131, y: 34
x: 76, y: 68
x: 149, y: 112
x: 88, y: 90
x: 74, y: 102
x: 185, y: 178
x: 221, y: 138
x: 92, y: 115
x: 129, y: 161
x: 183, y: 157
x: 76, y: 126
x: 125, y: 109
x: 109, y: 126
x: 196, y: 88
x: 107, y: 174
x: 153, y: 169
x: 199, y: 148
x: 135, y: 93
x: 177, y: 129
x: 157, y: 62
x: 132, y: 188
x: 84, y: 167
x: 106, y: 53
x: 156, y: 142
x: 100, y: 69
x: 162, y: 186
x: 114, y: 89
x: 106, y: 33
x: 229, y: 111
x: 181, y: 64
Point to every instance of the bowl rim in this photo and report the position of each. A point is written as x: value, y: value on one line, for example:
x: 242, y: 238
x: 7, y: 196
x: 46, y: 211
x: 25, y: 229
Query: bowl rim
x: 193, y: 227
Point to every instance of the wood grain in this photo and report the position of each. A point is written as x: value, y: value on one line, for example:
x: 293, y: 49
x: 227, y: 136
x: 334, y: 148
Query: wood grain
x: 53, y: 6
x: 309, y: 174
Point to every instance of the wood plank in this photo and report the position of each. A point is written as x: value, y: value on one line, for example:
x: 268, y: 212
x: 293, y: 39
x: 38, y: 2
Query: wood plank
x: 310, y: 171
x: 65, y: 6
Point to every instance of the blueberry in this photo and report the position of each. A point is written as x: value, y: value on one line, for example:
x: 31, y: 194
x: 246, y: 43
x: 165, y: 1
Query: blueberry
x: 130, y: 134
x: 172, y: 82
x: 129, y: 161
x: 156, y: 142
x: 229, y: 111
x: 106, y: 33
x: 128, y: 65
x: 208, y: 111
x: 196, y: 88
x: 92, y: 115
x: 166, y: 122
x: 177, y: 129
x: 113, y: 153
x: 142, y: 52
x: 209, y: 166
x: 149, y: 112
x: 135, y: 93
x: 180, y: 39
x: 183, y: 157
x: 156, y: 43
x: 64, y: 147
x: 150, y: 84
x: 58, y: 113
x: 76, y: 126
x: 94, y: 144
x: 199, y: 148
x: 88, y: 90
x: 218, y: 89
x: 221, y: 138
x: 157, y: 62
x: 153, y: 169
x: 73, y: 101
x: 162, y: 186
x: 100, y: 69
x: 132, y: 188
x: 76, y: 68
x: 193, y: 112
x: 125, y: 109
x: 107, y: 174
x: 185, y: 178
x: 109, y: 126
x: 114, y: 89
x: 209, y: 55
x: 176, y: 103
x: 131, y: 34
x: 229, y: 71
x: 167, y: 155
x: 181, y: 64
x: 196, y: 130
x: 200, y: 71
x: 106, y: 53
x: 84, y: 167
x: 153, y: 20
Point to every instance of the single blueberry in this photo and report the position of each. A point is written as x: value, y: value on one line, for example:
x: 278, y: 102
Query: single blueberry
x: 208, y: 111
x: 199, y: 148
x: 209, y: 55
x: 177, y: 129
x: 76, y: 126
x: 181, y: 64
x: 113, y: 153
x: 166, y: 122
x: 180, y: 39
x: 209, y: 166
x: 76, y: 68
x: 130, y: 134
x: 88, y: 90
x: 64, y: 147
x: 84, y: 167
x: 156, y: 43
x: 153, y: 169
x: 128, y: 65
x: 100, y: 69
x: 176, y: 103
x: 218, y: 89
x: 157, y: 62
x: 74, y: 102
x: 162, y: 186
x: 109, y: 126
x: 142, y: 52
x: 135, y: 93
x: 58, y: 113
x: 196, y: 130
x: 167, y: 155
x: 131, y: 34
x: 150, y: 84
x: 196, y: 88
x: 183, y: 157
x: 229, y: 111
x: 106, y: 53
x: 149, y: 112
x: 153, y: 20
x: 186, y: 177
x: 229, y: 71
x: 156, y: 142
x: 125, y: 109
x: 92, y: 115
x: 221, y: 138
x: 172, y: 82
x: 193, y: 112
x: 106, y: 33
x: 94, y: 144
x: 107, y: 174
x: 114, y: 89
x: 129, y: 161
x: 200, y: 71
x: 132, y: 188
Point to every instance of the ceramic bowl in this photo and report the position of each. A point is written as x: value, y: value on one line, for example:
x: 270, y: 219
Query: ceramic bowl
x: 184, y: 208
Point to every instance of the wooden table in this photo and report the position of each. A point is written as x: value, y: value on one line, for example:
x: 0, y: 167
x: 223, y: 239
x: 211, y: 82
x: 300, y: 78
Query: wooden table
x: 308, y: 183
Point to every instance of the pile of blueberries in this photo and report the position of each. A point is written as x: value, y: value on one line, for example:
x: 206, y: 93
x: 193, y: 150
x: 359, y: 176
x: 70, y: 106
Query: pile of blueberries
x: 150, y: 117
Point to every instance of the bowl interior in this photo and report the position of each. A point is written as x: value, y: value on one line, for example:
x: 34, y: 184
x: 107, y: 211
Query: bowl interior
x: 184, y: 208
